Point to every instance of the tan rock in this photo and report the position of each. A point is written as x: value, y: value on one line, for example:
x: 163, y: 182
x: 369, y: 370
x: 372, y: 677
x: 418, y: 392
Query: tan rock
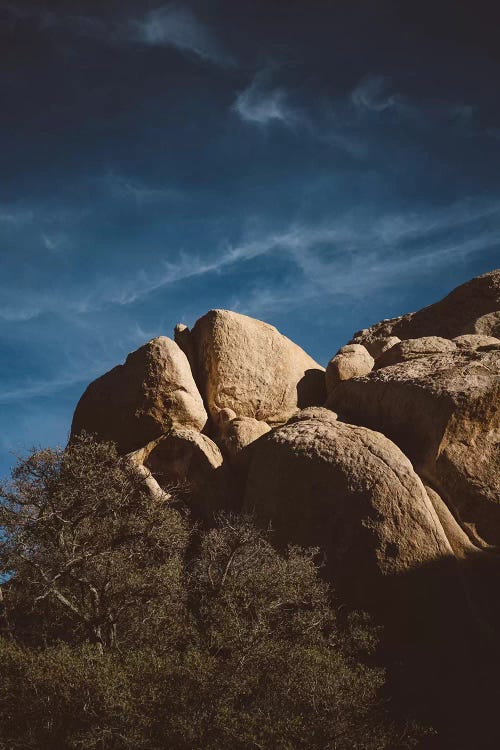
x: 475, y: 341
x: 351, y: 492
x: 351, y: 361
x: 145, y: 476
x: 377, y: 346
x: 473, y: 307
x: 314, y: 412
x: 443, y: 411
x: 248, y: 366
x: 188, y: 459
x: 409, y: 349
x: 136, y: 402
x: 488, y: 325
x: 237, y: 434
x: 458, y: 539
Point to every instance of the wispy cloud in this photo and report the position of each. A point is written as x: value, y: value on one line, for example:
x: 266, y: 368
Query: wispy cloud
x: 14, y: 216
x: 348, y: 255
x: 339, y: 257
x: 141, y: 194
x: 175, y: 25
x: 372, y: 94
x: 261, y: 104
x: 40, y: 388
x: 264, y: 103
x: 170, y: 25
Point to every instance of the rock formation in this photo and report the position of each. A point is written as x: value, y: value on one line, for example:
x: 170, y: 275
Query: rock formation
x: 248, y: 366
x: 142, y: 399
x: 409, y: 349
x: 443, y: 411
x: 351, y: 492
x: 235, y: 408
x: 388, y: 462
x: 473, y: 307
x: 351, y: 361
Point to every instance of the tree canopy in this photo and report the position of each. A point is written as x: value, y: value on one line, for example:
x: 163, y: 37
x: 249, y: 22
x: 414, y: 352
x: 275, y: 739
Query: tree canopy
x: 128, y: 626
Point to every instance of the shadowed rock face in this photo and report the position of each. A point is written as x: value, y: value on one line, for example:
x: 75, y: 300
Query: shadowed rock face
x: 443, y: 411
x: 140, y: 400
x: 473, y: 307
x: 354, y: 494
x: 185, y: 459
x: 248, y: 366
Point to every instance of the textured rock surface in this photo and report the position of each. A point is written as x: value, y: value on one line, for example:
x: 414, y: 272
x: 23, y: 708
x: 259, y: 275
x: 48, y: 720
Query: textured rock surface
x: 186, y: 458
x: 314, y: 412
x: 238, y: 433
x: 138, y: 401
x: 473, y: 307
x: 246, y: 365
x: 155, y: 491
x: 352, y: 492
x: 351, y: 361
x: 475, y: 340
x: 444, y: 412
x: 489, y: 324
x: 377, y: 346
x: 182, y: 455
x: 458, y: 539
x: 411, y: 348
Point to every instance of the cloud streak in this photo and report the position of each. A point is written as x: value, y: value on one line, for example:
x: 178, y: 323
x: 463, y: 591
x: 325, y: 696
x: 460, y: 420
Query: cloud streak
x: 174, y: 25
x: 348, y: 255
x: 261, y: 104
x: 171, y: 25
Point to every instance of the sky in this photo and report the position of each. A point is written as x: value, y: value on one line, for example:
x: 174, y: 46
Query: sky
x: 317, y: 165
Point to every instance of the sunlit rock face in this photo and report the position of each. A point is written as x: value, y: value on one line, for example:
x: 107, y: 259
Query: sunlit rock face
x: 250, y: 367
x: 142, y: 399
x: 389, y: 462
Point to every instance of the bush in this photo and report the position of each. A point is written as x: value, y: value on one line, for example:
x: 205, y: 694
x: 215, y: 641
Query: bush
x: 220, y: 642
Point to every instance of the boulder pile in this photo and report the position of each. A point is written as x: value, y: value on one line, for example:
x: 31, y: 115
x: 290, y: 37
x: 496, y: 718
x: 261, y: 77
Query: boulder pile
x: 388, y: 461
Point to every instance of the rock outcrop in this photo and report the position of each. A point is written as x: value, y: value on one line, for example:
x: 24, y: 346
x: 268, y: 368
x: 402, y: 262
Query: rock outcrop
x: 351, y: 361
x: 377, y: 346
x: 473, y: 307
x: 235, y: 411
x: 236, y: 434
x: 409, y: 349
x: 354, y: 494
x: 443, y: 411
x: 388, y: 462
x: 248, y: 366
x: 187, y: 461
x: 138, y: 401
x: 475, y: 341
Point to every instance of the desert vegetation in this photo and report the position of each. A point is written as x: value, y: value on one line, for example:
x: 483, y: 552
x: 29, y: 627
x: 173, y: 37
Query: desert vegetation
x: 127, y: 625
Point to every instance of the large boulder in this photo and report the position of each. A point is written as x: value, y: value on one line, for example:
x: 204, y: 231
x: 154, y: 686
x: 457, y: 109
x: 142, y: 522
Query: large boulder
x: 475, y: 341
x: 351, y: 361
x: 138, y: 401
x: 185, y: 460
x: 411, y: 348
x: 354, y: 494
x: 473, y: 307
x: 377, y: 346
x: 236, y: 434
x: 246, y: 365
x: 443, y: 411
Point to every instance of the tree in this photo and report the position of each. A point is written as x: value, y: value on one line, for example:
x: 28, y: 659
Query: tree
x: 78, y: 530
x: 130, y: 628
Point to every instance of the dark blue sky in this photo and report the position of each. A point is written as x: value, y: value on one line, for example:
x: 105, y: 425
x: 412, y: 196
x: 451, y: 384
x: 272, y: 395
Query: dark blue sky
x: 317, y: 165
